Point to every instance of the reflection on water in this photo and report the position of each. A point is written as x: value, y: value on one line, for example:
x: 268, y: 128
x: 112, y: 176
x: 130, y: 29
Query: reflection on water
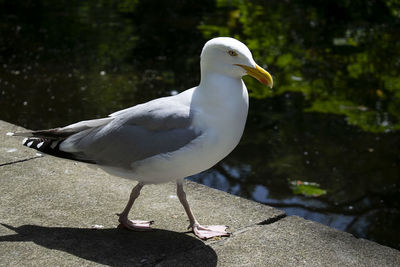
x: 358, y: 170
x: 331, y: 122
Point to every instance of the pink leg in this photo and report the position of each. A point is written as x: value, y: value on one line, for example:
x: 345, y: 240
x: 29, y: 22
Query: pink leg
x: 135, y: 225
x: 202, y: 232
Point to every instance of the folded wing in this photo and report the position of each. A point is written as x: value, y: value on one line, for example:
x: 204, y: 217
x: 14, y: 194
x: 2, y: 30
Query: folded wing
x: 156, y: 127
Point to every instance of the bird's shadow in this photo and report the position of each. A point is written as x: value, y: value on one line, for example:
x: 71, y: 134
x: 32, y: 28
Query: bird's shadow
x: 119, y: 247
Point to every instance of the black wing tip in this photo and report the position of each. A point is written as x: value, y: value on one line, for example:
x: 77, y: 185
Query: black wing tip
x: 44, y: 145
x: 53, y: 134
x: 52, y: 147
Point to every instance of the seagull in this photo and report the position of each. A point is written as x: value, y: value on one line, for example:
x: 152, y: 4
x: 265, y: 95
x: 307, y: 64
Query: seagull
x: 169, y: 138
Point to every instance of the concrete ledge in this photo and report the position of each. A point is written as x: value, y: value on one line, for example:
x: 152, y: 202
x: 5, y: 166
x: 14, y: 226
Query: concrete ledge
x: 58, y: 212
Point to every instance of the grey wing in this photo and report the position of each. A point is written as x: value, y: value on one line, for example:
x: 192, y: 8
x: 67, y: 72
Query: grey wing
x: 134, y: 134
x: 159, y: 114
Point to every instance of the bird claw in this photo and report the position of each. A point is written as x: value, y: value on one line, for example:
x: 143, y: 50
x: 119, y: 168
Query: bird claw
x: 135, y: 225
x: 210, y: 231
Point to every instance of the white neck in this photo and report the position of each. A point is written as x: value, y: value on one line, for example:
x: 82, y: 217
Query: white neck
x: 218, y: 88
x: 224, y: 96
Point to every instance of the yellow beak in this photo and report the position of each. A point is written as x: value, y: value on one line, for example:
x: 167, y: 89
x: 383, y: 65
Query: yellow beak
x: 259, y: 73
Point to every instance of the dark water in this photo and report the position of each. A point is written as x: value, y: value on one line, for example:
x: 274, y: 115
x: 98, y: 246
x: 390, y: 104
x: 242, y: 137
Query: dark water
x: 324, y: 144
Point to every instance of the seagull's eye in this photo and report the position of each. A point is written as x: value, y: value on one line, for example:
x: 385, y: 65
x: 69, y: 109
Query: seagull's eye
x: 232, y: 53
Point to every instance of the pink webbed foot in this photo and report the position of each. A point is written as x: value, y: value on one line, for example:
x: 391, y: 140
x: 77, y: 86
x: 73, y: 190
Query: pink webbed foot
x: 210, y: 231
x: 135, y: 225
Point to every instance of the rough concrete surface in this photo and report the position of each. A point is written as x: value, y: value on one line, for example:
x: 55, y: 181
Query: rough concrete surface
x: 58, y: 212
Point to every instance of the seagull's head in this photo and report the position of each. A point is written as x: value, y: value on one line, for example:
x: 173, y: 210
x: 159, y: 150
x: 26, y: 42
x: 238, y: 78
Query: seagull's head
x: 228, y: 56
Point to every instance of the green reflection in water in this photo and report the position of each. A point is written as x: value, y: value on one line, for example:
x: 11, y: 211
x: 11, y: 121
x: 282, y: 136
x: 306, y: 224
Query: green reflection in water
x: 343, y: 56
x: 332, y: 118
